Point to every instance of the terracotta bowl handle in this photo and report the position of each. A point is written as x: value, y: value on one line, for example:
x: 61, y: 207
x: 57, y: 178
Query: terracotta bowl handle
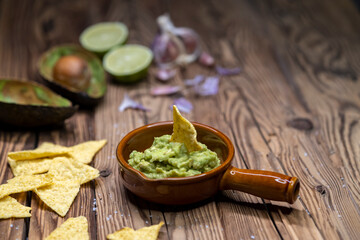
x: 264, y: 184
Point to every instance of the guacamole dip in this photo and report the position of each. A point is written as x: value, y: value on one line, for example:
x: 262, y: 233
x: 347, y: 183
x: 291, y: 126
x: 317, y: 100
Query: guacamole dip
x: 171, y: 159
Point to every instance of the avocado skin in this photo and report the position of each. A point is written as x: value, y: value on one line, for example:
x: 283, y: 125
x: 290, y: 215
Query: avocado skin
x: 81, y: 98
x: 34, y: 116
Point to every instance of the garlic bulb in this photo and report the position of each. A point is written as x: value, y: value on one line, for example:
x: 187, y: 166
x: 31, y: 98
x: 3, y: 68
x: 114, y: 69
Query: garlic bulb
x: 175, y: 45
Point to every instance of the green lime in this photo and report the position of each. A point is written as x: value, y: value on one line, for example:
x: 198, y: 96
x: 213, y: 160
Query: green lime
x: 101, y: 37
x: 128, y: 63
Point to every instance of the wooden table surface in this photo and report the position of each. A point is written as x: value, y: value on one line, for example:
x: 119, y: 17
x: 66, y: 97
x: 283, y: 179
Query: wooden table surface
x: 299, y: 59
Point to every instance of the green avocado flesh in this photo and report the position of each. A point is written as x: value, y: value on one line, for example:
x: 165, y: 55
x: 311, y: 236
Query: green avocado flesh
x: 97, y: 86
x: 29, y: 94
x: 166, y: 159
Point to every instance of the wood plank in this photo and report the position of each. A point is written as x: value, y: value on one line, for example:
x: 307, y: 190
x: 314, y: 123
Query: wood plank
x: 130, y: 211
x: 48, y: 30
x: 272, y: 105
x: 234, y: 115
x: 217, y: 213
x: 331, y: 81
x: 299, y: 59
x: 13, y: 141
x: 44, y: 220
x: 14, y: 58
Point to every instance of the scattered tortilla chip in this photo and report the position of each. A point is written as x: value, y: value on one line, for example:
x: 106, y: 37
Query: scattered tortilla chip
x: 184, y: 132
x: 9, y: 208
x: 68, y: 176
x: 73, y: 228
x: 30, y: 167
x: 145, y: 233
x: 49, y: 145
x: 84, y: 152
x: 25, y: 183
x: 41, y: 152
x: 60, y: 195
x: 65, y: 169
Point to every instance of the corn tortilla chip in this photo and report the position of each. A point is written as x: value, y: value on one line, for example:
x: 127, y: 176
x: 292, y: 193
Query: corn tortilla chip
x: 40, y: 152
x: 73, y: 228
x: 25, y: 183
x: 30, y: 167
x: 49, y: 145
x: 68, y: 176
x: 84, y: 152
x: 9, y: 208
x: 65, y: 169
x: 145, y: 233
x: 184, y: 132
x: 60, y: 195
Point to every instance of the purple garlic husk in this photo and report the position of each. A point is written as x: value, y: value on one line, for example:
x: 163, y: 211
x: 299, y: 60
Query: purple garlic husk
x: 175, y: 45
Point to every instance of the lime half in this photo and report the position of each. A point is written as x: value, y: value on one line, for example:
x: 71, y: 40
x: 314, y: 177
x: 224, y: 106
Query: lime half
x: 100, y: 37
x: 128, y: 63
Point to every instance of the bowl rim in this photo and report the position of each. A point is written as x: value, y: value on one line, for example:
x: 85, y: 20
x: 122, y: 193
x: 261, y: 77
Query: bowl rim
x: 196, y: 178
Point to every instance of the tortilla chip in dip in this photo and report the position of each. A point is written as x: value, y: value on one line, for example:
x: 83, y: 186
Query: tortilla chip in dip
x: 184, y: 132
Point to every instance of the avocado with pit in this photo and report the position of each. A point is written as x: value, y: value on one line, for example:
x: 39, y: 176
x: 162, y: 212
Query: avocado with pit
x: 28, y: 104
x: 74, y: 73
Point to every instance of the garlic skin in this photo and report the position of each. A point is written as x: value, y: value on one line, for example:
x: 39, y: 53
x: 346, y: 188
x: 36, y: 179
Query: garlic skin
x: 175, y: 45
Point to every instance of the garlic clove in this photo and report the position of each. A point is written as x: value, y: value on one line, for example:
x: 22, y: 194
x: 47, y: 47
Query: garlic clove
x: 206, y: 59
x: 165, y: 74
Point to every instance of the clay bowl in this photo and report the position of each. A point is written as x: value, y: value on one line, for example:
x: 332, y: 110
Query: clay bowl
x: 186, y: 190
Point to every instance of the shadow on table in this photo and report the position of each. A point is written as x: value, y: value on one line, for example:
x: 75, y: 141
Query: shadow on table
x: 220, y: 198
x: 4, y: 127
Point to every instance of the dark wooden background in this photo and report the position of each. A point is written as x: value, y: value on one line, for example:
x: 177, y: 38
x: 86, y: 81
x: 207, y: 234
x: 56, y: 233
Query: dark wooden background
x: 300, y: 59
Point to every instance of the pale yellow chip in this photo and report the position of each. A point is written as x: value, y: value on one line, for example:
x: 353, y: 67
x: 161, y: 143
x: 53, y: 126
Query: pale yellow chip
x: 49, y: 145
x: 9, y: 208
x: 41, y: 152
x: 145, y: 233
x: 25, y: 183
x: 184, y: 132
x: 71, y: 229
x: 84, y: 152
x: 30, y: 167
x: 68, y: 176
x: 60, y: 195
x: 65, y: 169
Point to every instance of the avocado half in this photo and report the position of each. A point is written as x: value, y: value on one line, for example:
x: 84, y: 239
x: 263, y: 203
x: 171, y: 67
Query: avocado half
x: 97, y: 87
x: 28, y: 104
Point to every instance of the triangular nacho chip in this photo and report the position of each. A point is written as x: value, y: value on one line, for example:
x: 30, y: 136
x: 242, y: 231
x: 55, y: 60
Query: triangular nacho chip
x: 41, y: 152
x: 184, y: 132
x: 30, y: 167
x: 65, y: 169
x: 68, y: 176
x: 49, y: 145
x: 145, y: 233
x: 25, y: 183
x: 9, y: 208
x: 71, y: 229
x: 85, y: 152
x: 60, y: 195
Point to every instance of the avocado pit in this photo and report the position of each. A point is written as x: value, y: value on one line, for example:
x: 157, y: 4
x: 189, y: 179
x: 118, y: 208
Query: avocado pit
x: 72, y: 72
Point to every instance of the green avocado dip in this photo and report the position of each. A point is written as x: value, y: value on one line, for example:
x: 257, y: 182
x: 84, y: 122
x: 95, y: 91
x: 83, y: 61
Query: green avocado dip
x: 166, y: 159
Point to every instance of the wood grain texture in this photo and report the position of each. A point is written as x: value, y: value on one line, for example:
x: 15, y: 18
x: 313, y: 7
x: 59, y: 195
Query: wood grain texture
x: 299, y: 60
x: 269, y: 101
x: 14, y: 64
